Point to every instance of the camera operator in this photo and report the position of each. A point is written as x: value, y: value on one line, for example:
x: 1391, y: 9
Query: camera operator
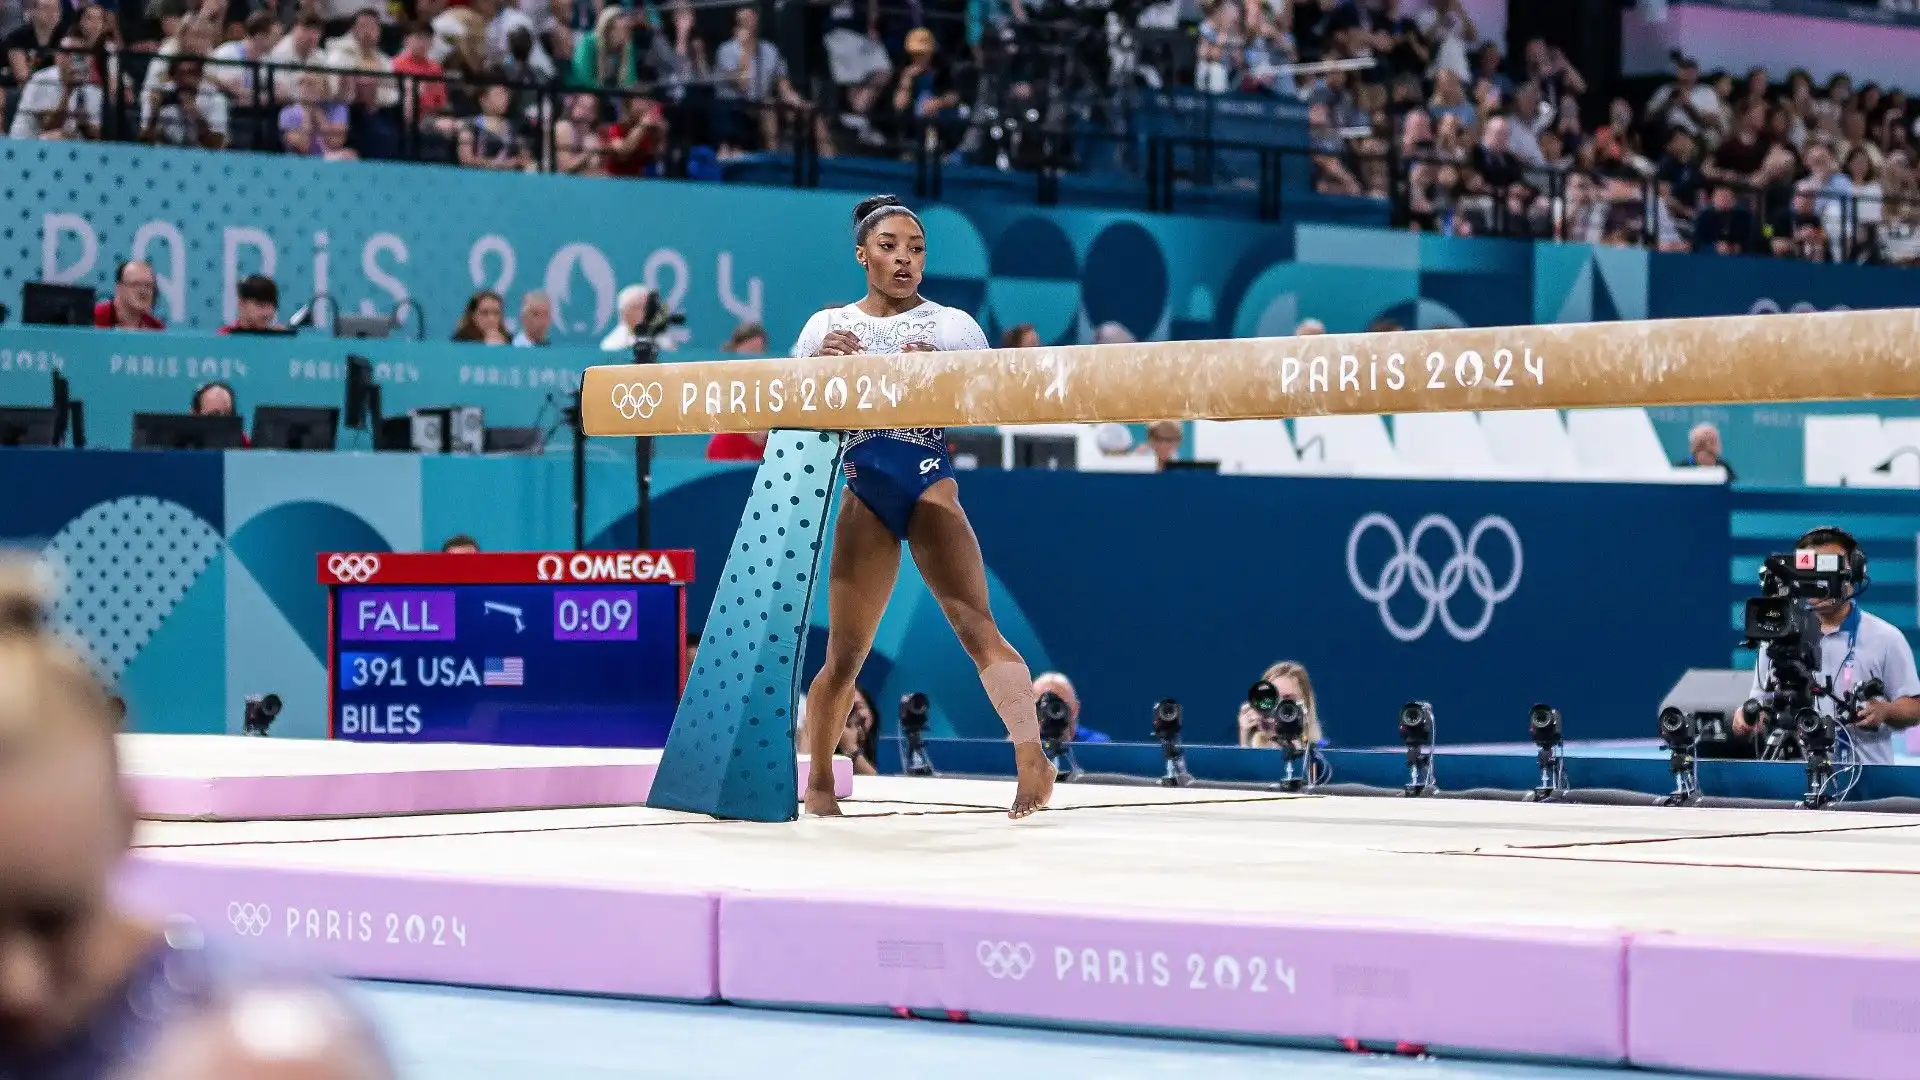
x: 1855, y: 647
x: 1052, y: 682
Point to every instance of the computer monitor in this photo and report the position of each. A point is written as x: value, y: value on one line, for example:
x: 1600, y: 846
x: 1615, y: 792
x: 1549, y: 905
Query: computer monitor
x: 295, y: 427
x: 977, y: 449
x: 362, y: 327
x: 43, y: 304
x: 513, y: 440
x: 28, y: 427
x: 1045, y: 452
x: 184, y: 431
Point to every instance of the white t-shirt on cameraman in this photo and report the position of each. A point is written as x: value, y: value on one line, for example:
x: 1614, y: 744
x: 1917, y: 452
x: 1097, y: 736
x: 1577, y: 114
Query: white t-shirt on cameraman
x: 1876, y: 650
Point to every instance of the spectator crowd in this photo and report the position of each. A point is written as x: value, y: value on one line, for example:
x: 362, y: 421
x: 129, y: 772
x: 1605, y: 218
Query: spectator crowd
x: 1405, y: 100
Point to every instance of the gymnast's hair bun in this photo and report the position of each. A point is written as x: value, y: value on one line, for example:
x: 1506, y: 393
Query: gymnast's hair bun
x: 874, y: 202
x: 25, y: 596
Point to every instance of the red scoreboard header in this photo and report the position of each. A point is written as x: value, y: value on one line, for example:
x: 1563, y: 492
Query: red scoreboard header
x: 674, y: 567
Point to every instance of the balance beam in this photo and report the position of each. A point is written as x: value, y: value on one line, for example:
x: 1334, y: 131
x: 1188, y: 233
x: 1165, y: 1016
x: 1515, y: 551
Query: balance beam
x: 1738, y: 359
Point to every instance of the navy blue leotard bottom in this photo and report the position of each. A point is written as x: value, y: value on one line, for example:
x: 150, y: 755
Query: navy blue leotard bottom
x: 889, y: 473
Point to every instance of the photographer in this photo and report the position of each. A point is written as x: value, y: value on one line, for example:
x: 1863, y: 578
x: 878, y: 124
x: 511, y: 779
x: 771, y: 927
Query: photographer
x: 1291, y: 680
x: 1855, y: 647
x: 1052, y: 682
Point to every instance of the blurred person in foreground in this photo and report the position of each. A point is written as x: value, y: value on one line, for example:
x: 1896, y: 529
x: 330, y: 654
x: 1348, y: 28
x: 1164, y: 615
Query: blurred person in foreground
x: 860, y: 740
x: 89, y: 991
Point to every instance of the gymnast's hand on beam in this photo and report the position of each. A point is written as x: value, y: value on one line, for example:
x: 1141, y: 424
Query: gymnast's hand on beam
x: 918, y: 346
x: 839, y: 343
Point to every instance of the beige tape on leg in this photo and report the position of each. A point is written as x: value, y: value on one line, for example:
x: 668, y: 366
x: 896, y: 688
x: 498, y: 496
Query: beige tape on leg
x: 1010, y: 688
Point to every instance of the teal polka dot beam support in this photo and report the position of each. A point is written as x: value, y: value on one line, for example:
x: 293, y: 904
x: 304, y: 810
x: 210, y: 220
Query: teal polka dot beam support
x: 731, y: 751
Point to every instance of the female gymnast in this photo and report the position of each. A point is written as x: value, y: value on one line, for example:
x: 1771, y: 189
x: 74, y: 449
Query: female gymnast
x: 900, y: 486
x: 87, y: 990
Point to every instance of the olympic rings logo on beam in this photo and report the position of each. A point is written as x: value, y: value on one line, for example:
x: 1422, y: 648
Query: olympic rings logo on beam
x: 638, y: 400
x: 356, y: 568
x: 1005, y: 959
x: 249, y: 920
x: 1406, y: 566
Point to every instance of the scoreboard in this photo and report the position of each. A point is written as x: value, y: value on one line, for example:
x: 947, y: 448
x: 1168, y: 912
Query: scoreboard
x: 522, y: 648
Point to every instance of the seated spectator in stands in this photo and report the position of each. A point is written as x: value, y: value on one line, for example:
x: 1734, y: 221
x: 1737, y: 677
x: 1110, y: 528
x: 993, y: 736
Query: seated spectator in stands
x: 1863, y: 176
x: 1831, y: 187
x: 1450, y: 100
x: 1831, y: 106
x: 633, y: 143
x: 423, y: 82
x: 536, y: 321
x: 1292, y: 682
x: 1686, y: 104
x: 60, y: 101
x: 1679, y: 175
x: 131, y: 306
x: 577, y: 149
x: 1703, y: 450
x: 858, y: 64
x: 1053, y: 682
x: 1741, y: 154
x: 1494, y: 165
x: 460, y: 544
x: 747, y: 339
x: 195, y: 36
x: 373, y: 129
x: 484, y: 320
x: 1853, y: 138
x: 213, y: 399
x: 234, y: 72
x: 1330, y: 173
x: 1164, y: 438
x: 632, y: 307
x: 525, y: 63
x: 359, y: 49
x: 750, y: 76
x: 1798, y: 230
x: 924, y: 93
x: 314, y: 126
x: 1448, y: 32
x: 516, y: 42
x: 1725, y: 227
x: 681, y: 58
x: 300, y: 48
x: 29, y: 46
x: 185, y: 111
x: 603, y: 58
x: 256, y: 305
x: 488, y: 141
x: 1023, y: 336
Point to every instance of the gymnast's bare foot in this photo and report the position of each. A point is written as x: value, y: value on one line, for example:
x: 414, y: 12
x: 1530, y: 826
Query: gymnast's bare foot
x: 1035, y: 785
x: 822, y: 803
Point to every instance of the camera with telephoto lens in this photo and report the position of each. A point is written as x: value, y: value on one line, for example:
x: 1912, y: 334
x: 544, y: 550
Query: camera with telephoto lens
x: 1166, y: 728
x: 1680, y: 733
x: 653, y: 326
x: 1055, y: 716
x: 913, y: 735
x: 1781, y: 622
x: 1284, y: 720
x: 259, y: 714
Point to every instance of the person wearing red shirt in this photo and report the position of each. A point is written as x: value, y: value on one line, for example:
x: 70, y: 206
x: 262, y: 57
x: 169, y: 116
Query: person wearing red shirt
x: 132, y: 305
x: 736, y: 446
x: 635, y: 140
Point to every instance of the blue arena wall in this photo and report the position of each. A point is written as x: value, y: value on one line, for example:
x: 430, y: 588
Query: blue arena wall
x: 368, y: 234
x: 191, y: 580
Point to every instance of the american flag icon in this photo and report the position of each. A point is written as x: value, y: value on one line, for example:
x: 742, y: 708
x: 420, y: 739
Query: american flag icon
x: 504, y: 671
